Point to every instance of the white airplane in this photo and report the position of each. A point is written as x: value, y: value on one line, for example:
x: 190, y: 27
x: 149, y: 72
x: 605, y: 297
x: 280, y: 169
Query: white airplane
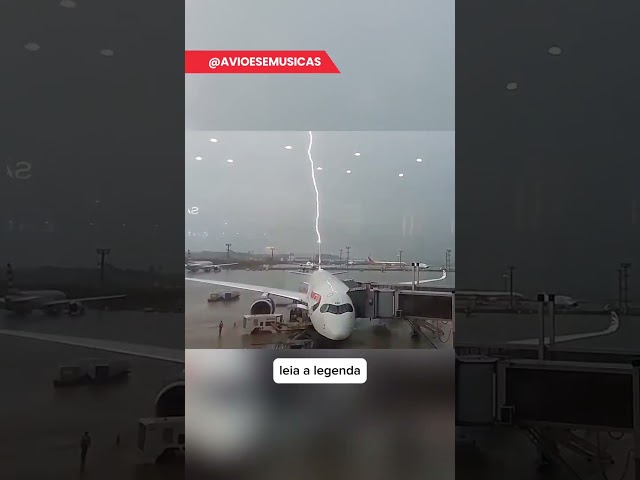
x: 370, y: 261
x: 565, y: 301
x: 51, y: 302
x: 326, y: 299
x: 195, y: 266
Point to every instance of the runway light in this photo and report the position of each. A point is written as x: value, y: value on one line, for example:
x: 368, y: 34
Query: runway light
x: 512, y: 86
x: 68, y: 4
x: 229, y: 161
x: 288, y: 147
x: 357, y: 154
x: 213, y: 140
x: 401, y: 174
x: 319, y: 168
x: 107, y: 52
x: 32, y: 47
x: 348, y: 171
x: 419, y: 160
x: 198, y: 158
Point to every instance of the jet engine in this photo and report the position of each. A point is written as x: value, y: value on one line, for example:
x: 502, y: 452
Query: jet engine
x: 263, y: 306
x: 170, y: 400
x: 75, y: 308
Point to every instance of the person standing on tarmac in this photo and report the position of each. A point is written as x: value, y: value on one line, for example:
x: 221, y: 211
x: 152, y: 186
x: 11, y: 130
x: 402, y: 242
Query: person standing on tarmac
x: 85, y: 443
x: 220, y: 329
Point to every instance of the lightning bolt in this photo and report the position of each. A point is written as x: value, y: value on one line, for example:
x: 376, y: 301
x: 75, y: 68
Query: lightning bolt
x: 315, y: 185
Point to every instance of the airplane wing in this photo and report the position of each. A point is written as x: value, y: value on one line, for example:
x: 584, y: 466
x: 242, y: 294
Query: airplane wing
x: 420, y: 282
x: 297, y: 296
x: 224, y: 264
x: 86, y: 299
x: 298, y: 272
x: 147, y: 351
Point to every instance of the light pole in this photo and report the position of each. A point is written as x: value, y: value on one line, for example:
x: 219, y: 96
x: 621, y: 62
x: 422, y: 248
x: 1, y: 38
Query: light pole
x: 228, y: 245
x: 625, y: 266
x: 103, y: 252
x: 511, y: 269
x: 348, y: 248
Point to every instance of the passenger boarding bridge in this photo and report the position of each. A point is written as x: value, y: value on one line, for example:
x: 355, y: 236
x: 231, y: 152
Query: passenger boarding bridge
x: 551, y: 401
x: 424, y: 310
x: 551, y: 392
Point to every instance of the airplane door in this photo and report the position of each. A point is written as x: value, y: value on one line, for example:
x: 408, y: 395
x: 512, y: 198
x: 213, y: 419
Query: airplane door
x: 384, y: 303
x: 359, y: 298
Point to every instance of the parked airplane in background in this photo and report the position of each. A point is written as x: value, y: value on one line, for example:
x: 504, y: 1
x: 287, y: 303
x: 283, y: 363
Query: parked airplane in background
x: 370, y: 261
x: 52, y: 302
x: 564, y: 301
x: 205, y: 266
x: 195, y: 265
x: 326, y: 299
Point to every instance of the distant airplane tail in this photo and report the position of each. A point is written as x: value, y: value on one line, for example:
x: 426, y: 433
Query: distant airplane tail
x: 370, y: 260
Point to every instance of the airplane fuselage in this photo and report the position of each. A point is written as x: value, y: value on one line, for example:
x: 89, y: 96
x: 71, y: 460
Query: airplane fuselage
x: 370, y: 261
x: 331, y: 310
x: 204, y: 266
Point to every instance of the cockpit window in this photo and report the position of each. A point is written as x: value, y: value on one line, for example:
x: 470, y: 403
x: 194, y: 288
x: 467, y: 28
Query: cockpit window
x: 345, y: 308
x: 336, y: 309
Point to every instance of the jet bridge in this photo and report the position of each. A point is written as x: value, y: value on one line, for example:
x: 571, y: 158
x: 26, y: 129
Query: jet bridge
x: 422, y: 309
x: 372, y: 301
x: 550, y: 399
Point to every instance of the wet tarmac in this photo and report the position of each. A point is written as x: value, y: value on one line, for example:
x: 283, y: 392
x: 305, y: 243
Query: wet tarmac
x: 42, y: 425
x: 202, y: 318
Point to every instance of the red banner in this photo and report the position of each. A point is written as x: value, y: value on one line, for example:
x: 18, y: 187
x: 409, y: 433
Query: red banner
x: 258, y: 61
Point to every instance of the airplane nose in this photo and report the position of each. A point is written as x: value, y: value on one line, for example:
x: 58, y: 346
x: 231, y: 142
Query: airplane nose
x: 343, y: 327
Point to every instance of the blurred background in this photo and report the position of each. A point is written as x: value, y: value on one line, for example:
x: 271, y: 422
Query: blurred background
x: 399, y: 424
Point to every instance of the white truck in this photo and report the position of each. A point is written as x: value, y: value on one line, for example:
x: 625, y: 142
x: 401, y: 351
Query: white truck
x: 161, y: 440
